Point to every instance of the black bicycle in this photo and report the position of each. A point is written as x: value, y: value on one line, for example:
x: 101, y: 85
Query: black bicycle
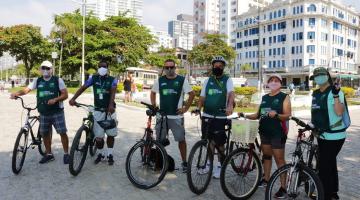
x: 147, y: 161
x: 201, y: 157
x: 83, y: 141
x: 242, y: 169
x: 22, y: 140
x: 299, y: 177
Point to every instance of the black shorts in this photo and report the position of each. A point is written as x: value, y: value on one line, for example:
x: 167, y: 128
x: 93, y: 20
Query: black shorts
x: 275, y: 142
x: 214, y: 129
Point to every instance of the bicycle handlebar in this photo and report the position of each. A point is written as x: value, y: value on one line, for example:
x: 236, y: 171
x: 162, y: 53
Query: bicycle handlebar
x: 307, y: 126
x: 82, y: 105
x: 23, y: 105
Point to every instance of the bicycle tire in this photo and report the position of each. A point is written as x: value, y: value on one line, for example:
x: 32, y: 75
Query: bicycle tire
x: 92, y: 145
x: 304, y: 169
x: 314, y: 166
x: 163, y: 170
x: 229, y: 161
x: 16, y: 169
x: 202, y: 144
x: 41, y: 146
x: 75, y: 147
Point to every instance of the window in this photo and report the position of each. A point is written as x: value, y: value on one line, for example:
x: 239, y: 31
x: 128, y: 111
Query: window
x: 255, y: 42
x: 275, y: 14
x: 310, y: 48
x: 269, y: 28
x: 274, y: 39
x: 311, y: 35
x: 337, y: 26
x: 274, y: 27
x: 264, y: 40
x: 278, y: 51
x: 284, y: 12
x: 270, y: 15
x: 301, y: 9
x: 274, y: 51
x: 292, y: 50
x: 311, y: 61
x: 283, y: 63
x: 279, y: 13
x: 270, y: 40
x: 312, y: 21
x: 311, y: 8
x: 301, y: 22
x: 270, y: 52
x: 283, y: 51
x: 270, y: 64
x: 293, y: 23
x: 300, y: 62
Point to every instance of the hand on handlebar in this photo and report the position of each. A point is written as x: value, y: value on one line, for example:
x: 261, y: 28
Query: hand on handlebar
x: 272, y: 114
x: 229, y: 110
x: 72, y: 102
x: 241, y: 114
x: 196, y: 111
x: 14, y: 96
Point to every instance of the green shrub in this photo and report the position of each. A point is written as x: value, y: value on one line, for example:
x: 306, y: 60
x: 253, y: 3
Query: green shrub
x: 139, y: 87
x: 348, y: 91
x: 245, y: 90
x: 73, y: 84
x: 120, y: 87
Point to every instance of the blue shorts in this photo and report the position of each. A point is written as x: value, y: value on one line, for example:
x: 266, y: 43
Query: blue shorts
x: 57, y: 120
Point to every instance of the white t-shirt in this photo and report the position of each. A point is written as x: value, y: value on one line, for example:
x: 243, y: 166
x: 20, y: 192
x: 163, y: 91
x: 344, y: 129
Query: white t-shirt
x: 229, y: 87
x: 185, y: 89
x: 33, y: 86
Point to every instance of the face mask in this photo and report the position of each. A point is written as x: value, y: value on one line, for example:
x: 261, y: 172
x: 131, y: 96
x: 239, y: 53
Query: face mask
x: 46, y: 73
x: 274, y: 86
x: 217, y: 71
x: 170, y: 72
x: 102, y: 71
x: 321, y: 80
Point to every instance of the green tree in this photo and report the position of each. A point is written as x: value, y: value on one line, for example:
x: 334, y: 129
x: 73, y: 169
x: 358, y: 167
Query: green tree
x: 212, y: 46
x: 158, y: 58
x: 25, y: 43
x: 245, y: 67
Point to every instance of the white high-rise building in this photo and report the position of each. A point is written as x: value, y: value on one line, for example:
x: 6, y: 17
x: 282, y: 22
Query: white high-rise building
x: 229, y: 9
x: 206, y: 18
x: 182, y: 31
x: 105, y: 8
x: 294, y: 37
x: 162, y: 37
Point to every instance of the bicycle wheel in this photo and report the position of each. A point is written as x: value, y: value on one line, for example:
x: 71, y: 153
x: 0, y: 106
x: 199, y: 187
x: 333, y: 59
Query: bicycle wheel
x: 19, y: 151
x: 200, y: 167
x: 146, y: 164
x: 240, y: 174
x: 92, y: 146
x: 312, y: 163
x: 40, y: 144
x: 295, y: 179
x: 78, y: 151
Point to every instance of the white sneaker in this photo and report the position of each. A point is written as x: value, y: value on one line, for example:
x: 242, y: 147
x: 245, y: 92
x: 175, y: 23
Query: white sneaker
x: 205, y: 170
x: 216, y: 173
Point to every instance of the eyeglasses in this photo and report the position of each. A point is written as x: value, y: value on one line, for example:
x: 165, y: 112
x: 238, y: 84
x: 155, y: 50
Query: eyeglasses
x: 45, y: 68
x: 169, y: 67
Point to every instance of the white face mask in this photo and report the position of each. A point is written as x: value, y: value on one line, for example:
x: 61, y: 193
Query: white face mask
x: 102, y: 71
x: 273, y: 86
x: 46, y: 73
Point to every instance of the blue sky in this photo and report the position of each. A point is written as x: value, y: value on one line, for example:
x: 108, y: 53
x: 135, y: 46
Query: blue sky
x: 40, y: 12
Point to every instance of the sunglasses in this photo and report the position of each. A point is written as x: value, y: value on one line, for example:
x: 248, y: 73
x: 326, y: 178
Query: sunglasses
x: 45, y: 68
x: 169, y: 67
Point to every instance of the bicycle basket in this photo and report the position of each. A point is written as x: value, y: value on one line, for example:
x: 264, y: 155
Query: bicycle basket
x: 244, y: 131
x: 107, y: 123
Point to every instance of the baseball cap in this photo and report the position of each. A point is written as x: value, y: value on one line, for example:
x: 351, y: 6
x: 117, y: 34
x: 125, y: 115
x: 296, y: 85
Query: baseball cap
x: 278, y: 76
x: 319, y: 71
x: 46, y: 63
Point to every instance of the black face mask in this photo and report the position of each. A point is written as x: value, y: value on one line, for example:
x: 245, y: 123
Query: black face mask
x: 217, y: 71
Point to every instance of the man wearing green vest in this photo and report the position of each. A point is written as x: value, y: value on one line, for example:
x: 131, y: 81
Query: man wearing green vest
x: 104, y: 87
x: 217, y: 98
x: 51, y: 92
x: 171, y: 88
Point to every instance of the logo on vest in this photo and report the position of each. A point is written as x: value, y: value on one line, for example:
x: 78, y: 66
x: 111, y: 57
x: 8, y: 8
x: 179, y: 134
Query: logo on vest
x: 162, y: 84
x: 176, y: 83
x: 167, y: 92
x: 276, y: 102
x: 52, y: 85
x: 214, y: 92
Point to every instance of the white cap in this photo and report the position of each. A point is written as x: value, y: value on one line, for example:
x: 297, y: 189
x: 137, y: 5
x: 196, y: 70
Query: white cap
x: 46, y: 63
x: 274, y: 75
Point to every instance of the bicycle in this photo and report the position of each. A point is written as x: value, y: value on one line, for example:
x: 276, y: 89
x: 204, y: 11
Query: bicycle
x: 242, y: 171
x: 201, y: 157
x: 300, y: 178
x: 83, y: 141
x: 21, y: 143
x: 146, y: 162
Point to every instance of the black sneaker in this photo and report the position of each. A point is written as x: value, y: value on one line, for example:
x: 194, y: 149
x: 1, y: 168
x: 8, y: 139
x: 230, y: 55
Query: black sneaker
x: 280, y: 194
x: 184, y: 167
x: 99, y: 158
x: 47, y: 158
x: 110, y: 159
x: 335, y: 196
x: 263, y: 183
x: 66, y: 159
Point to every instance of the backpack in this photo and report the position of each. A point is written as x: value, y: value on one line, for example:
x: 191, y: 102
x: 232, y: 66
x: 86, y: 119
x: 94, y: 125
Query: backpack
x: 155, y: 156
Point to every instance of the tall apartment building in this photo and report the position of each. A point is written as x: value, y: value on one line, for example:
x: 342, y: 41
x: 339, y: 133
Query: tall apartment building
x: 182, y: 31
x: 162, y: 37
x: 105, y: 8
x: 206, y: 18
x: 292, y: 37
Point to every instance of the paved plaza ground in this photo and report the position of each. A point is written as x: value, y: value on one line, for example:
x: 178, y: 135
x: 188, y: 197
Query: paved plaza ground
x: 53, y: 180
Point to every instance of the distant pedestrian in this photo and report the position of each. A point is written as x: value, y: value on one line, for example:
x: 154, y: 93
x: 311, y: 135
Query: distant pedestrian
x: 127, y: 87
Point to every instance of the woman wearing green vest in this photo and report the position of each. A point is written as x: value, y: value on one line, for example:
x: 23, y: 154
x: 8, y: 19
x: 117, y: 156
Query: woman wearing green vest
x: 104, y: 87
x: 274, y: 112
x: 217, y: 98
x: 327, y: 114
x: 50, y: 94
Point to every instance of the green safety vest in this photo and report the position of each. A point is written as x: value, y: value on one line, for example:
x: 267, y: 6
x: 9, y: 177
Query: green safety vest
x: 170, y: 91
x: 47, y: 90
x: 102, y: 89
x: 215, y: 96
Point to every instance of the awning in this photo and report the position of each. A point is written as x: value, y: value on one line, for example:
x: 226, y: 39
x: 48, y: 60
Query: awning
x: 348, y: 76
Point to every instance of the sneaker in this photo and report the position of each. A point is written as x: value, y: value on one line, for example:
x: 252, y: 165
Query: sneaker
x: 110, y: 159
x: 263, y: 183
x: 216, y: 173
x: 205, y: 170
x: 66, y: 159
x: 184, y: 166
x: 335, y: 196
x: 99, y: 158
x: 280, y: 194
x: 47, y: 158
